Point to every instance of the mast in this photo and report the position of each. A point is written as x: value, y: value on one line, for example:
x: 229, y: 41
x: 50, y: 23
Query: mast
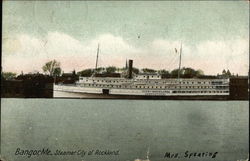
x: 148, y: 154
x: 97, y: 57
x: 180, y: 63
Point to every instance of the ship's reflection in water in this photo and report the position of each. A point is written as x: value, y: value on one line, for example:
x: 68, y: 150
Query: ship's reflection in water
x: 130, y: 126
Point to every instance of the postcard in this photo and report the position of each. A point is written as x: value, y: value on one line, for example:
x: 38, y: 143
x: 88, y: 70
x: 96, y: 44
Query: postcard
x: 125, y: 81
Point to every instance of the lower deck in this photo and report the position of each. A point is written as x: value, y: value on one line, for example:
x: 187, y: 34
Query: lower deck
x: 64, y: 94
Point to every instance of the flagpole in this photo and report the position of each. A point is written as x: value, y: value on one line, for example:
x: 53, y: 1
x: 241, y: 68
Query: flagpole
x: 97, y: 57
x: 180, y: 62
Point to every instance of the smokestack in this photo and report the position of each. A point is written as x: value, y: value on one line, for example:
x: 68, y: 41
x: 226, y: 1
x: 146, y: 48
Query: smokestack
x: 130, y: 68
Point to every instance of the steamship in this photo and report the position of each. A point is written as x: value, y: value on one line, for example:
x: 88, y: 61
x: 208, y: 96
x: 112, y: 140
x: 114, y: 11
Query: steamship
x: 145, y: 86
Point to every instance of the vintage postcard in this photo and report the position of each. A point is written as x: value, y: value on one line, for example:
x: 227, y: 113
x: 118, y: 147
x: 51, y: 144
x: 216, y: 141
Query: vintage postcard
x: 125, y: 81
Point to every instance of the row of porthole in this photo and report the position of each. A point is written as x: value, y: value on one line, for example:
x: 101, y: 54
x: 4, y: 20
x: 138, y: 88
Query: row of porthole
x: 188, y: 87
x: 200, y: 91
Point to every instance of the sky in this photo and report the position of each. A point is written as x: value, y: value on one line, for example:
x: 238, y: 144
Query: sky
x: 214, y: 34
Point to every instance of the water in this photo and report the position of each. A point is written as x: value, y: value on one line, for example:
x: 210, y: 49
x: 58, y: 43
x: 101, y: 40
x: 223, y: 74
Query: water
x: 130, y: 126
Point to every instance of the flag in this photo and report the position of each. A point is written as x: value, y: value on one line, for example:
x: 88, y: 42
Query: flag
x: 175, y: 50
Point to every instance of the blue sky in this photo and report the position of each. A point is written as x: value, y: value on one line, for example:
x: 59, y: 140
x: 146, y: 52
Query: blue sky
x: 214, y: 34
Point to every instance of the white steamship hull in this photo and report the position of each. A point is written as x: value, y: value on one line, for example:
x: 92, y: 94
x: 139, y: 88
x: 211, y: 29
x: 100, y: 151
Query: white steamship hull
x: 72, y: 91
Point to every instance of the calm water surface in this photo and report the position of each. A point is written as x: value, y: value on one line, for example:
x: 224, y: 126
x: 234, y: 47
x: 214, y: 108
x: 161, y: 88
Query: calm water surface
x: 130, y: 126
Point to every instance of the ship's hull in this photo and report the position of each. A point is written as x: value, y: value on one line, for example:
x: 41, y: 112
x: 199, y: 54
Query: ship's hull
x: 75, y: 94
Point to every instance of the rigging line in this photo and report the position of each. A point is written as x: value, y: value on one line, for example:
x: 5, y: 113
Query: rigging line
x: 174, y: 62
x: 171, y: 59
x: 174, y: 59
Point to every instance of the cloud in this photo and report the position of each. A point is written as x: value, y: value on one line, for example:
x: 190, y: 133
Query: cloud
x: 28, y: 53
x: 214, y: 56
x: 72, y: 53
